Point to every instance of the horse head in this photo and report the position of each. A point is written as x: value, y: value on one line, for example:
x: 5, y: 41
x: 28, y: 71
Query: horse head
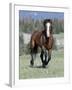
x: 48, y: 27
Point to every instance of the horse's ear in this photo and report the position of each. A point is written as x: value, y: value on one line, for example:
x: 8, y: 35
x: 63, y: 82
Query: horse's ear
x: 47, y: 20
x: 50, y: 20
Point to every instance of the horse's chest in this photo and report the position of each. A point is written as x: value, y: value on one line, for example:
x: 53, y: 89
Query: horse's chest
x: 46, y: 42
x: 41, y: 40
x: 49, y: 43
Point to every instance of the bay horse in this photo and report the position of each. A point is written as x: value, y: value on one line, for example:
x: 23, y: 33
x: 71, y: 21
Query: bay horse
x: 44, y: 40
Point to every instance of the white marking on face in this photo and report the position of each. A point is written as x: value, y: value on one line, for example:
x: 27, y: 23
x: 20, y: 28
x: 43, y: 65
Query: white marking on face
x: 43, y: 56
x: 48, y: 29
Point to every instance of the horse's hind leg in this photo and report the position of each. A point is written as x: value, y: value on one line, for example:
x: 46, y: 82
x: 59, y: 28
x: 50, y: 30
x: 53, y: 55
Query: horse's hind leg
x: 32, y: 58
x: 32, y: 52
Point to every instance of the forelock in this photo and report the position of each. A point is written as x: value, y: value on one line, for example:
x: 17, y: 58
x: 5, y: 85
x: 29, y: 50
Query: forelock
x: 47, y: 21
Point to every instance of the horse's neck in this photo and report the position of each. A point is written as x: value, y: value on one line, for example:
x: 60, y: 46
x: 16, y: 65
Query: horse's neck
x: 42, y: 38
x: 44, y: 34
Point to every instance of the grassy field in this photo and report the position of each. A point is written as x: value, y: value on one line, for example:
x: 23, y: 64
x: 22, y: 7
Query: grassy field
x: 54, y: 69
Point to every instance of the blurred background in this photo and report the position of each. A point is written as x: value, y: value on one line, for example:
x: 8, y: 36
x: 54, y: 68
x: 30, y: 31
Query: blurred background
x: 30, y: 21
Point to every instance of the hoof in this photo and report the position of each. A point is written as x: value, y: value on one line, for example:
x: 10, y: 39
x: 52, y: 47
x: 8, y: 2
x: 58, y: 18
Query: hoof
x: 44, y: 66
x: 31, y: 63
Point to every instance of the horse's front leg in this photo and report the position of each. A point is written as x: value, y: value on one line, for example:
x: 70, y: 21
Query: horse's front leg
x: 47, y: 56
x: 42, y: 56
